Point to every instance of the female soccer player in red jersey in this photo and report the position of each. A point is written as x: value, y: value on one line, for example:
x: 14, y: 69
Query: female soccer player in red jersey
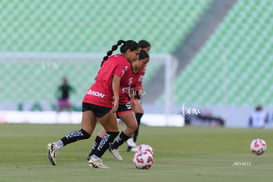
x: 138, y: 109
x: 125, y: 112
x: 101, y: 101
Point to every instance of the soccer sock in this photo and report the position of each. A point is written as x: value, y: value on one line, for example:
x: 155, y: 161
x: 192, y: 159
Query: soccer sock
x: 59, y: 144
x: 105, y: 142
x: 75, y: 136
x: 120, y: 140
x: 138, y: 118
x: 95, y: 145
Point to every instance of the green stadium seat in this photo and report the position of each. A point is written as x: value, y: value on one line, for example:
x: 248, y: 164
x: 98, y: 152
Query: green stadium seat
x: 66, y: 26
x: 242, y: 42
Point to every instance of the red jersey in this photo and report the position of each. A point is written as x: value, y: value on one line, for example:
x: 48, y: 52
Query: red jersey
x: 101, y: 92
x: 140, y: 79
x: 130, y: 81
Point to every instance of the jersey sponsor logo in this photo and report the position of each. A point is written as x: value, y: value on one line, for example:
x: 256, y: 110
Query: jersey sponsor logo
x: 127, y: 90
x: 97, y: 94
x: 130, y: 81
x: 124, y: 70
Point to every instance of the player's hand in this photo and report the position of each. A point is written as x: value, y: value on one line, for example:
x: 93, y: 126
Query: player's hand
x: 131, y: 93
x: 115, y: 106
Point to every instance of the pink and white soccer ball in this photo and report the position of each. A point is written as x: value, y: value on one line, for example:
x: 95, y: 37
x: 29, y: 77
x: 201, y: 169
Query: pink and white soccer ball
x: 143, y: 160
x: 145, y: 147
x: 258, y: 146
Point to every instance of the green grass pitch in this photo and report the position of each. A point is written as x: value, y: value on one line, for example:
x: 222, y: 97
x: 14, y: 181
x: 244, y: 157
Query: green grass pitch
x: 189, y: 154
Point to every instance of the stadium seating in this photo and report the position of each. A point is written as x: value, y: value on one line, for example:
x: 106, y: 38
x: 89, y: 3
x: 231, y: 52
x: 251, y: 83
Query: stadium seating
x: 68, y: 26
x: 93, y: 26
x: 233, y: 67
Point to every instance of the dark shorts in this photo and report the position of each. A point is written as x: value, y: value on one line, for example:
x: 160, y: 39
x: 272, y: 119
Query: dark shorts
x: 99, y: 111
x: 124, y: 108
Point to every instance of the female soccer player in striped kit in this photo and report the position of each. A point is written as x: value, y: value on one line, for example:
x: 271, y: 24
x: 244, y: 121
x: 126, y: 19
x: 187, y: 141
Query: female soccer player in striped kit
x: 101, y: 101
x: 125, y: 111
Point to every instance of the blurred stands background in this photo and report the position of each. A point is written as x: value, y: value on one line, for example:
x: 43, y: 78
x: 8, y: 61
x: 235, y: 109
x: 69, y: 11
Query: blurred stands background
x: 222, y: 48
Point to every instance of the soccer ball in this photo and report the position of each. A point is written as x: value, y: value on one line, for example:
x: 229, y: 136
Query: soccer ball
x: 145, y: 147
x: 258, y: 146
x: 143, y: 160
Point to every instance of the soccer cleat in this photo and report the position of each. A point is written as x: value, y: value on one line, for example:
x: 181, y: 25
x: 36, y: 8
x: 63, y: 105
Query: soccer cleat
x: 130, y: 142
x: 132, y: 149
x: 116, y: 154
x: 96, y: 162
x: 51, y: 153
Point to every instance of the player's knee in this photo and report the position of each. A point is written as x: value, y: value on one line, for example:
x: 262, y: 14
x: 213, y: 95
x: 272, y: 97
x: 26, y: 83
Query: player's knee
x: 84, y: 135
x: 132, y: 127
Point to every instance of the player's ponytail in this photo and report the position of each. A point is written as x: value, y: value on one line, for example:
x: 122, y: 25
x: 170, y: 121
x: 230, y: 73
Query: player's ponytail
x: 126, y: 45
x: 110, y: 52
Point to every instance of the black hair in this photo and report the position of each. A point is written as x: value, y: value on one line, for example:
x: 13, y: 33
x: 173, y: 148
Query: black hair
x: 127, y: 45
x: 143, y: 54
x: 144, y: 44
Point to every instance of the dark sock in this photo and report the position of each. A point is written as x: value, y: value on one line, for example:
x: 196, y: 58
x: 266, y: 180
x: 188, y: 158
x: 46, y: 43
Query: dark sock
x: 95, y: 145
x: 120, y: 140
x: 105, y: 142
x: 138, y: 118
x: 75, y: 136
